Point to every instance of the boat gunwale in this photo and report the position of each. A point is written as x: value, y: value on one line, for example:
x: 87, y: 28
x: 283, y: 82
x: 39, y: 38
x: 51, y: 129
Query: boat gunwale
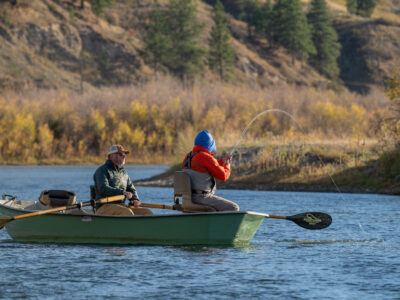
x: 136, y: 216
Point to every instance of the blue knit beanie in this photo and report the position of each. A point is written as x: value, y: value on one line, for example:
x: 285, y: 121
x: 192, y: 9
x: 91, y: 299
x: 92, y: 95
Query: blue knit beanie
x: 205, y: 139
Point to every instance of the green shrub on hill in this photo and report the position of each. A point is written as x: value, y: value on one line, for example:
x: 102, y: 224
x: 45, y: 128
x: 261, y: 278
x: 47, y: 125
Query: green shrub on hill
x: 98, y: 6
x: 363, y: 8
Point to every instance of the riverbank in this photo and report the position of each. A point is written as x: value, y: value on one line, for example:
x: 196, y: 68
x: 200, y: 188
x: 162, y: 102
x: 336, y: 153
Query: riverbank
x: 89, y: 160
x: 323, y: 167
x: 393, y: 189
x: 273, y: 169
x: 387, y: 187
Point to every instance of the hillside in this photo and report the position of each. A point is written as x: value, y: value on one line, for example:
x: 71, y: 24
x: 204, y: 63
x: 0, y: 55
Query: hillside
x: 370, y: 51
x: 54, y: 44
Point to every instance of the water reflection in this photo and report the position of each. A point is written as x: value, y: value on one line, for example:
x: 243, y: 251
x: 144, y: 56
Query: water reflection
x: 115, y: 251
x: 333, y: 241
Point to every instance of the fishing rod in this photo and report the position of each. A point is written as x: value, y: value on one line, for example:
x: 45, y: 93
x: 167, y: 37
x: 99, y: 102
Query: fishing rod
x: 295, y: 121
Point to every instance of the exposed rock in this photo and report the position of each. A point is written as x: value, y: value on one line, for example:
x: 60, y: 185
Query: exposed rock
x: 370, y: 51
x: 50, y: 49
x: 59, y: 42
x: 5, y: 34
x: 55, y: 43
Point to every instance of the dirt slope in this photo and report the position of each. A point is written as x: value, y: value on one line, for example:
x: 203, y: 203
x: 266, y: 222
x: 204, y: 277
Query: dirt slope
x: 54, y: 44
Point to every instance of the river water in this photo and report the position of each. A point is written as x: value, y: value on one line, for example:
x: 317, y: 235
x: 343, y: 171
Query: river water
x: 357, y: 257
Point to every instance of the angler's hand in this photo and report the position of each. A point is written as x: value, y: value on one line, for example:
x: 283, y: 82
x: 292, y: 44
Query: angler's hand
x: 226, y: 159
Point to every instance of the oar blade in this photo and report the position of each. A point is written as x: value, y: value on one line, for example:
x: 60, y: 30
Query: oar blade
x: 4, y: 221
x: 312, y: 220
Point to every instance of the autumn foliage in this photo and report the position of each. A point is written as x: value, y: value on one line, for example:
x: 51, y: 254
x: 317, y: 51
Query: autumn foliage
x: 158, y: 120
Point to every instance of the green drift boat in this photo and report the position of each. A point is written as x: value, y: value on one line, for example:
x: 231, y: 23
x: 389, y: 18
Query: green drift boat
x: 84, y: 227
x: 57, y: 218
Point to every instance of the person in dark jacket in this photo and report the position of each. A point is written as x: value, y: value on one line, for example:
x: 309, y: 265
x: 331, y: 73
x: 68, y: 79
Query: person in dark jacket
x: 111, y: 179
x: 203, y: 169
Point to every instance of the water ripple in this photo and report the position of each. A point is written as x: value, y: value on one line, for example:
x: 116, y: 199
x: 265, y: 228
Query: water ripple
x: 334, y: 241
x: 355, y: 258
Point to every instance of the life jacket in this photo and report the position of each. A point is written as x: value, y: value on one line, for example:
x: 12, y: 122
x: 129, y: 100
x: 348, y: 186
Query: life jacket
x: 201, y: 182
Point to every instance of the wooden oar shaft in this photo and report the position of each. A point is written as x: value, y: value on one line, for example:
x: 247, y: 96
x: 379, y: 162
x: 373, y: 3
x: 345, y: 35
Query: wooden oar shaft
x: 152, y: 205
x: 108, y: 199
x: 61, y: 208
x: 42, y: 212
x: 276, y: 217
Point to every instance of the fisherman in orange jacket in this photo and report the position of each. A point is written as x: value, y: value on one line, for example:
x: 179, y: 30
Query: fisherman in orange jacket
x: 203, y: 169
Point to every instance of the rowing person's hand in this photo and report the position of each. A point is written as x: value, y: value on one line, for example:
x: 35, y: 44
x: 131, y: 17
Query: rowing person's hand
x: 128, y: 195
x: 135, y: 203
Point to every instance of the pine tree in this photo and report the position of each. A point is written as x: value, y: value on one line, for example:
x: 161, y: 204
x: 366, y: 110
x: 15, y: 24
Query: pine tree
x: 263, y: 18
x: 290, y: 28
x: 234, y: 7
x: 249, y: 10
x: 187, y: 57
x: 325, y: 40
x: 363, y: 8
x: 221, y: 55
x: 157, y: 44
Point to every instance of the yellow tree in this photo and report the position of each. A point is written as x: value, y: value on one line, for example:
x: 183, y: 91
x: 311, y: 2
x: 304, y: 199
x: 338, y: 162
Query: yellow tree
x: 393, y: 92
x: 391, y: 131
x: 18, y: 137
x: 45, y: 139
x: 95, y: 130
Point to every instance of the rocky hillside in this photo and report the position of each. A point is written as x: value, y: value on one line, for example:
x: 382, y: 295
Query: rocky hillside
x: 370, y: 51
x: 55, y: 44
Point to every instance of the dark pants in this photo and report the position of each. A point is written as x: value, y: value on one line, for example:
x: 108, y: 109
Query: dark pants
x: 218, y: 203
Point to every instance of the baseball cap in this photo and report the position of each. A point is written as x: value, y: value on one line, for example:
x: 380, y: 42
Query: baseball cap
x: 117, y: 149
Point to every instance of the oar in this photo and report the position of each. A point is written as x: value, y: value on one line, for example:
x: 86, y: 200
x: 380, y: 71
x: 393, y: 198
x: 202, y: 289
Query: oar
x: 161, y: 206
x: 6, y: 219
x: 308, y: 220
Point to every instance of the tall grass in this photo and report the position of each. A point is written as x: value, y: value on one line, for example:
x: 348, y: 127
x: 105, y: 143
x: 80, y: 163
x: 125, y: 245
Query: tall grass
x: 158, y: 120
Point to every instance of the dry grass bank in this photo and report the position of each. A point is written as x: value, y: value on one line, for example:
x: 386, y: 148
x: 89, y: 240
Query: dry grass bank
x: 159, y: 119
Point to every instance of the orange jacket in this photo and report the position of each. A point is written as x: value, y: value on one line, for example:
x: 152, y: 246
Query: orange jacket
x: 205, y: 162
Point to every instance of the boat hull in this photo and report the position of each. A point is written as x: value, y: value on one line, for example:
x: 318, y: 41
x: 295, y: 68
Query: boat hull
x: 218, y: 228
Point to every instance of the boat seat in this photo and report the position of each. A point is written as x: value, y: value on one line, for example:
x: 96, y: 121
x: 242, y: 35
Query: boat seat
x: 92, y: 192
x: 57, y: 198
x: 183, y: 188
